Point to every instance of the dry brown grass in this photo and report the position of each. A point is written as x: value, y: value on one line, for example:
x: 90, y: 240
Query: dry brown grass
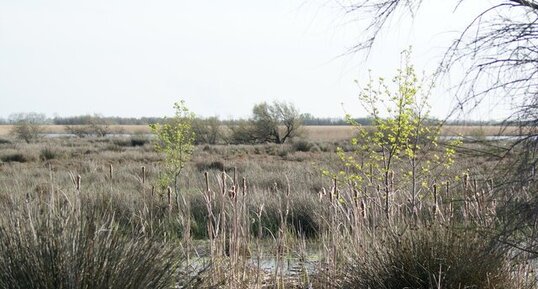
x: 128, y: 129
x: 313, y: 133
x: 339, y: 133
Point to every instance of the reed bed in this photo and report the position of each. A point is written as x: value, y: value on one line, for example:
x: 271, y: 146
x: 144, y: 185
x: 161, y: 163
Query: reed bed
x: 97, y: 203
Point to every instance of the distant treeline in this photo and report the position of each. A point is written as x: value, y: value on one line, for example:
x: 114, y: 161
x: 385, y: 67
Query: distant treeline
x: 307, y: 119
x: 86, y: 119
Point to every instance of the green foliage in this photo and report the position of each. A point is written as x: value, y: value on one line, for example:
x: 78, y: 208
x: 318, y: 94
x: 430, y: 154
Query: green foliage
x: 402, y: 142
x: 175, y: 140
x: 267, y: 120
x: 270, y: 123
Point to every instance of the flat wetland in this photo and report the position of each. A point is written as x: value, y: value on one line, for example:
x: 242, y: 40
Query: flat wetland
x: 248, y: 216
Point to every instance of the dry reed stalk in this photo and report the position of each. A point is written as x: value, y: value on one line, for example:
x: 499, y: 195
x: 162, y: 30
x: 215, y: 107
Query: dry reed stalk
x: 235, y: 176
x: 110, y: 171
x: 223, y: 216
x: 363, y: 209
x: 387, y: 192
x: 435, y: 204
x: 244, y: 186
x: 212, y: 226
x: 371, y: 176
x: 322, y: 193
x: 281, y: 238
x: 209, y: 205
x: 143, y: 174
x: 169, y: 195
x: 449, y: 213
x: 77, y: 182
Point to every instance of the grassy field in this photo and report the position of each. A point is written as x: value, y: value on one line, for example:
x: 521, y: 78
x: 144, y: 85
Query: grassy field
x: 245, y: 216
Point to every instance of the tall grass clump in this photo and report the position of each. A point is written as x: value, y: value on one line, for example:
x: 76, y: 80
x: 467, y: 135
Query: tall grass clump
x: 63, y: 246
x: 428, y: 257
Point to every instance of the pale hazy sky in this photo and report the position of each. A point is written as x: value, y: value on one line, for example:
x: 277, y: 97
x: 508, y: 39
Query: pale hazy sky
x: 135, y: 58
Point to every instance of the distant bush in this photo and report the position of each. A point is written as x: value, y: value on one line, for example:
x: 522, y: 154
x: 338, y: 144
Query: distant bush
x: 283, y: 152
x: 134, y: 141
x: 315, y: 149
x: 27, y: 126
x: 90, y: 126
x: 137, y: 141
x: 15, y: 157
x: 4, y: 141
x: 302, y: 146
x: 48, y: 154
x: 207, y: 166
x: 207, y: 130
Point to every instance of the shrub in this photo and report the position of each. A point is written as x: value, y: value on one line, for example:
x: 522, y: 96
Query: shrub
x: 214, y: 165
x: 283, y: 152
x: 134, y: 141
x: 27, y: 129
x: 302, y: 146
x: 49, y: 249
x: 48, y: 154
x: 434, y: 257
x: 315, y: 149
x: 15, y: 157
x: 138, y: 141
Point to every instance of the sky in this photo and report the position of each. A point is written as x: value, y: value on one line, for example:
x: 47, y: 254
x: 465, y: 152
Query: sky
x: 136, y: 58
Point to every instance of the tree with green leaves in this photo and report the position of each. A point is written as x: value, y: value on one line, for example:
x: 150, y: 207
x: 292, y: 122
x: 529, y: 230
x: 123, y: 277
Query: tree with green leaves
x: 498, y: 50
x: 270, y: 123
x: 277, y: 122
x: 174, y: 138
x: 402, y: 141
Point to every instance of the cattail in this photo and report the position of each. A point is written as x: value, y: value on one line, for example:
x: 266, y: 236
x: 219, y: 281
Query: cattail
x: 169, y: 198
x: 206, y: 177
x: 77, y: 182
x: 143, y: 174
x: 152, y: 191
x: 223, y: 176
x: 322, y: 193
x: 235, y: 176
x: 232, y: 192
x: 334, y: 193
x: 434, y: 201
x: 490, y: 185
x: 465, y: 182
x: 356, y: 196
x: 244, y: 186
x: 111, y: 171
